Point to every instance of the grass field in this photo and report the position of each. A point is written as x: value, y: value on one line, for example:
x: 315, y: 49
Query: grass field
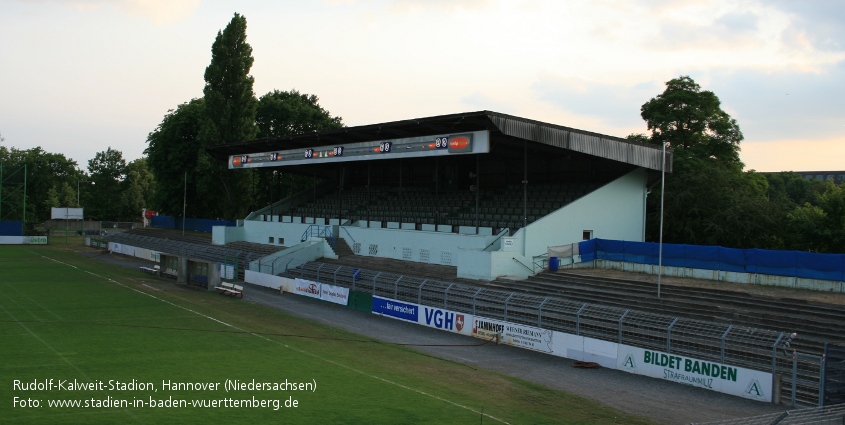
x: 65, y: 317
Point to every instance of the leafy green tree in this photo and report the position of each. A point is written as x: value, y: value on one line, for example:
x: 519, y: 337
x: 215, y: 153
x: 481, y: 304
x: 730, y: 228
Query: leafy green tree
x: 692, y: 122
x: 138, y: 189
x: 709, y: 200
x: 173, y: 151
x: 285, y: 113
x: 44, y: 171
x: 820, y: 226
x: 230, y: 108
x: 107, y: 171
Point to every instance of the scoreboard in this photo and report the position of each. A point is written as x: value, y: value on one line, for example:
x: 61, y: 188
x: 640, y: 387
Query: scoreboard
x: 435, y: 145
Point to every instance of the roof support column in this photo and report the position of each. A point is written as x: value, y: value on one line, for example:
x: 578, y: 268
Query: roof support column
x: 524, y: 183
x: 401, y: 200
x: 369, y: 201
x: 477, y: 188
x: 437, y: 190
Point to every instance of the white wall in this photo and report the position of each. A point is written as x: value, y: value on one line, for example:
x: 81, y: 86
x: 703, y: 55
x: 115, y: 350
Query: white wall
x: 221, y: 235
x: 442, y: 247
x: 614, y: 211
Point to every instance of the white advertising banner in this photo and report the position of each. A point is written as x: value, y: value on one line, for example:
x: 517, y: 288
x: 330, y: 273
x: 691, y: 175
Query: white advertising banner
x: 513, y: 334
x: 26, y: 240
x: 738, y: 381
x: 307, y: 288
x: 446, y: 320
x: 59, y: 213
x: 335, y: 294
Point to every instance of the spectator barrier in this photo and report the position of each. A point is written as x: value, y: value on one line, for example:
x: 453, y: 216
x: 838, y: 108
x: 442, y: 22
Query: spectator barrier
x: 195, y: 224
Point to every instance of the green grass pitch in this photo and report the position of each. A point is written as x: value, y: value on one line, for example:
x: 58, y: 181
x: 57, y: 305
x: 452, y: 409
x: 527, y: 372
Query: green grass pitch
x: 68, y: 318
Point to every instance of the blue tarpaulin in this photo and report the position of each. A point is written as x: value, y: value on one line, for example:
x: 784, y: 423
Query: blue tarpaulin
x: 779, y: 263
x: 11, y: 228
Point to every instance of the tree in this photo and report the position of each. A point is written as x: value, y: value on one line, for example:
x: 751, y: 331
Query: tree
x: 230, y: 107
x: 285, y: 113
x: 692, y: 122
x: 44, y: 171
x: 138, y: 189
x: 820, y: 226
x: 173, y: 151
x: 709, y: 199
x: 107, y: 171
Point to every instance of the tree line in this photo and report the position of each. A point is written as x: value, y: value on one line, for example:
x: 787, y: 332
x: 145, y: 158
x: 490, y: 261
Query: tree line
x: 109, y: 189
x: 709, y: 199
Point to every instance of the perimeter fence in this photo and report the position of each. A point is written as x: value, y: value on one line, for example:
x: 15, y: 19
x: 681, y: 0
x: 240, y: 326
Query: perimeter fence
x: 752, y: 348
x: 808, y: 265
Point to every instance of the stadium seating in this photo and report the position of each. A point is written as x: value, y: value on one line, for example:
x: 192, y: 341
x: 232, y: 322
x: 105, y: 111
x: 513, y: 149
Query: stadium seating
x: 498, y: 208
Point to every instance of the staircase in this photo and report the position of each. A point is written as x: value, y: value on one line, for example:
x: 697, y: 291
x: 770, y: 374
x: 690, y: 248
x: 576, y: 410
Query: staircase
x: 343, y: 249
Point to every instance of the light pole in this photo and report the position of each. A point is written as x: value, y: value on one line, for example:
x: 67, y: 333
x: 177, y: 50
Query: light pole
x: 77, y: 189
x: 662, y: 191
x: 81, y: 224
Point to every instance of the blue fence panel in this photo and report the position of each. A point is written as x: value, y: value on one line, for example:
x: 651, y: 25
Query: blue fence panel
x: 702, y: 257
x: 732, y: 260
x: 164, y: 221
x: 640, y: 252
x: 821, y: 266
x: 674, y: 255
x: 610, y: 250
x: 779, y: 263
x: 587, y: 249
x: 11, y: 228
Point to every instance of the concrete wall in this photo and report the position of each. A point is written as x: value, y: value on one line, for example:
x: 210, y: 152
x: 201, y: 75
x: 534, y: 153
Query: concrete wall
x: 309, y: 250
x: 487, y: 265
x: 287, y: 234
x: 221, y: 235
x: 414, y: 245
x: 614, y: 211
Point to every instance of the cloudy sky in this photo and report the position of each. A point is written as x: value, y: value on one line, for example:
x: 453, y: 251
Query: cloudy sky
x: 79, y: 76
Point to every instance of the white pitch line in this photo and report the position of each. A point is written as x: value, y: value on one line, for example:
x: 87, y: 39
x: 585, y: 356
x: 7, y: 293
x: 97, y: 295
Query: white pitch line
x: 289, y: 347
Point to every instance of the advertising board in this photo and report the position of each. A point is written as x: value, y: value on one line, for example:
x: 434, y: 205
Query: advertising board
x: 396, y: 309
x: 738, y: 381
x: 446, y: 320
x: 306, y: 288
x: 513, y: 334
x: 335, y: 294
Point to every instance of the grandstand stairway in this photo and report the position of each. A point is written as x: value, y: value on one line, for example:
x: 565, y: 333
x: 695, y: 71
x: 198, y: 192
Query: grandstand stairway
x: 342, y: 249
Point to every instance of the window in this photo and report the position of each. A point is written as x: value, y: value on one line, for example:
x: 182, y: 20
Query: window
x: 271, y: 239
x: 587, y: 235
x: 281, y: 241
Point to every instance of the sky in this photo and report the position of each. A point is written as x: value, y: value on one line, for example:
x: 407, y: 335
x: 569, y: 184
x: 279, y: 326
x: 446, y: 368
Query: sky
x: 80, y: 76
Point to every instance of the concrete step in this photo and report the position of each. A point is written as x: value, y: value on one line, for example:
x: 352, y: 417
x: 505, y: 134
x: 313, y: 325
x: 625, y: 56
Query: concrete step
x: 343, y: 248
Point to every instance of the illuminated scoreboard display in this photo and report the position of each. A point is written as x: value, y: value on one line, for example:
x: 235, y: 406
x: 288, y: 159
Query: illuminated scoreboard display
x: 438, y: 145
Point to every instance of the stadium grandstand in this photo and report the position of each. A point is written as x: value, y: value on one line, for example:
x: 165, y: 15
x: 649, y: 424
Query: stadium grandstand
x: 483, y: 191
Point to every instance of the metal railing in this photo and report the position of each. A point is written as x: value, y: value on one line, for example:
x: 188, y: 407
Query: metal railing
x: 736, y: 345
x: 319, y: 231
x: 799, y: 376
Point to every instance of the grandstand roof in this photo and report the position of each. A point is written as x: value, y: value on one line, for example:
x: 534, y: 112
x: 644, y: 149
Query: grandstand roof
x: 502, y: 127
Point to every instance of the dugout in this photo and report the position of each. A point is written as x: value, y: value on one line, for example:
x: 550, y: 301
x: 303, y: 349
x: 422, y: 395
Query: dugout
x: 478, y: 190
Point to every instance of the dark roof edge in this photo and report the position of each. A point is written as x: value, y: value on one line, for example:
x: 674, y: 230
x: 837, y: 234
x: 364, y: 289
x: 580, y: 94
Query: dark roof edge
x: 596, y: 144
